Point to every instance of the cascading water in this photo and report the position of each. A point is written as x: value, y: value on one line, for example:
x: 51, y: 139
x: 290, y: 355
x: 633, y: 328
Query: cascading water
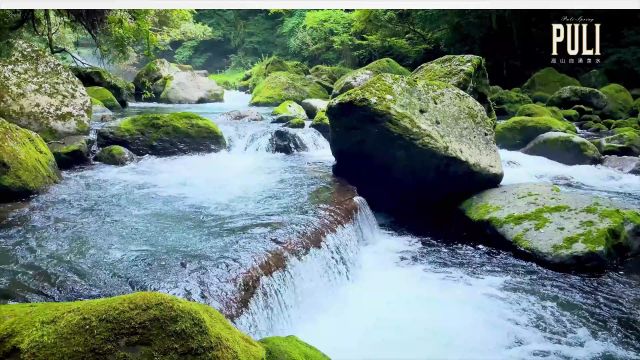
x: 189, y: 225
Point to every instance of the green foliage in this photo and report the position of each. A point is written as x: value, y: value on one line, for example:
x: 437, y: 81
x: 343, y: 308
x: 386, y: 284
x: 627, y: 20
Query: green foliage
x: 290, y: 348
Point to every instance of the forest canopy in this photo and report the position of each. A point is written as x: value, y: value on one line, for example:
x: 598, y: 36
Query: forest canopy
x: 514, y: 43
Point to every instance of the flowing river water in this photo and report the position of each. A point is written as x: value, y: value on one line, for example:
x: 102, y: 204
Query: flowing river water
x: 190, y: 225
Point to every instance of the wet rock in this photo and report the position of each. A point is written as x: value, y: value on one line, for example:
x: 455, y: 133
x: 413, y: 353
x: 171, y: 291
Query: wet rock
x: 560, y: 228
x: 70, y: 151
x: 517, y: 132
x: 115, y: 155
x: 360, y: 76
x: 313, y: 106
x: 164, y: 134
x: 26, y: 163
x: 624, y: 142
x: 321, y: 123
x: 288, y: 111
x: 286, y: 142
x: 405, y: 143
x: 40, y: 94
x: 625, y: 164
x: 569, y: 96
x: 466, y: 72
x: 122, y: 90
x: 564, y: 148
x: 242, y: 115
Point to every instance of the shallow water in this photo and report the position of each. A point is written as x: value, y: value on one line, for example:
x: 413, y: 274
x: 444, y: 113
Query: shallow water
x: 186, y: 225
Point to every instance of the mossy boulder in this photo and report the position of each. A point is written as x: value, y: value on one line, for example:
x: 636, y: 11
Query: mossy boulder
x: 38, y: 93
x: 263, y: 69
x: 405, y: 143
x: 628, y: 123
x: 115, y: 155
x: 166, y: 82
x: 314, y: 106
x: 507, y: 102
x: 164, y: 134
x: 360, y: 76
x: 624, y: 142
x: 466, y: 72
x: 122, y: 90
x: 582, y: 110
x: 619, y: 102
x: 70, y: 151
x: 594, y: 79
x: 570, y: 115
x: 635, y: 108
x: 540, y: 97
x: 564, y: 148
x: 288, y: 110
x: 329, y: 74
x: 139, y: 325
x: 296, y: 123
x: 535, y: 110
x: 321, y: 123
x: 517, y: 132
x: 569, y: 96
x: 290, y: 348
x: 560, y: 228
x: 26, y: 163
x: 104, y: 96
x: 282, y: 86
x: 547, y: 81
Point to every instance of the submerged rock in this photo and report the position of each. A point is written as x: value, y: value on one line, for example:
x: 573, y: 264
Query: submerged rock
x: 286, y: 142
x: 569, y: 96
x: 288, y: 110
x: 104, y: 96
x: 114, y: 155
x: 625, y: 164
x: 122, y: 90
x: 283, y: 86
x: 466, y: 72
x: 564, y: 148
x: 70, y: 151
x: 170, y: 83
x: 313, y: 106
x: 38, y: 93
x: 290, y: 348
x: 242, y: 115
x: 26, y: 164
x: 321, y: 123
x: 547, y: 81
x: 164, y: 134
x: 405, y: 143
x: 140, y: 325
x: 517, y: 132
x: 560, y: 228
x: 360, y: 76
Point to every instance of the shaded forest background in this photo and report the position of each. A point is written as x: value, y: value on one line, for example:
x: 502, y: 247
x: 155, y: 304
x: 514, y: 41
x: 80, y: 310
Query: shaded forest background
x: 515, y: 43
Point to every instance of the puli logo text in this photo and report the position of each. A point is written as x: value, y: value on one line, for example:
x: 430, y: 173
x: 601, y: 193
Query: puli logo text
x: 581, y: 39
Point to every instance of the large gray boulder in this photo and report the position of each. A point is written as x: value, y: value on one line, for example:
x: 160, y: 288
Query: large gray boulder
x: 569, y: 96
x: 38, y: 93
x: 404, y: 142
x: 625, y: 164
x: 564, y: 148
x: 466, y: 72
x: 360, y: 76
x: 561, y: 228
x: 170, y: 83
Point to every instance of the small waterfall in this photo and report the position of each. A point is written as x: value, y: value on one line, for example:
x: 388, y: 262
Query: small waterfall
x: 255, y: 137
x: 321, y: 268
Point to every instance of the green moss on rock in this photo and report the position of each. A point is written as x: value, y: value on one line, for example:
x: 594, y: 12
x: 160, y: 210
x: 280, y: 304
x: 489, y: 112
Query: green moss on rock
x: 104, y: 96
x: 140, y: 325
x: 164, y: 134
x: 535, y: 110
x: 570, y: 115
x: 329, y: 74
x: 290, y: 348
x: 288, y: 110
x: 360, y: 76
x: 70, y: 151
x: 281, y: 86
x: 548, y: 81
x: 624, y: 142
x: 565, y: 148
x: 594, y: 79
x: 26, y: 164
x: 619, y: 102
x: 517, y: 132
x: 296, y: 123
x: 114, y: 155
x: 570, y: 96
x: 321, y: 123
x: 507, y: 102
x: 122, y: 90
